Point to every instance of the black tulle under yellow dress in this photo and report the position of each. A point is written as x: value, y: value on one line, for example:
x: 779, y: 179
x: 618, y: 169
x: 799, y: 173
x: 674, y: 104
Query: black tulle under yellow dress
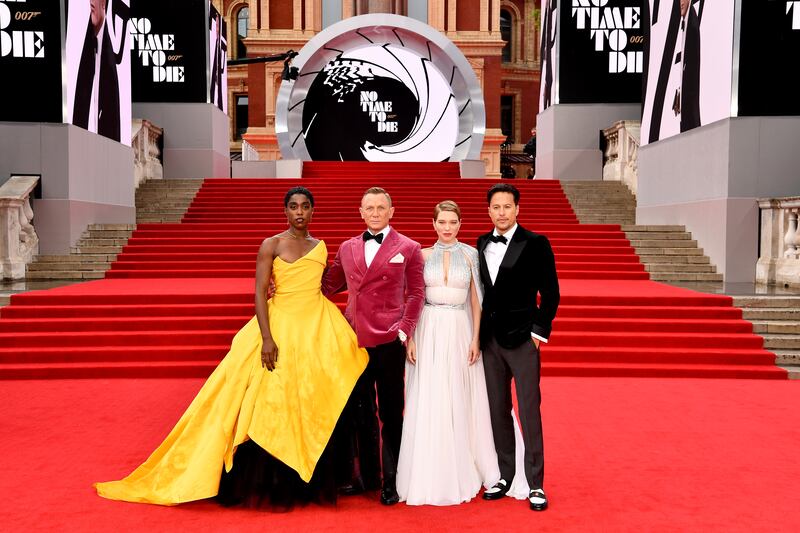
x: 289, y: 413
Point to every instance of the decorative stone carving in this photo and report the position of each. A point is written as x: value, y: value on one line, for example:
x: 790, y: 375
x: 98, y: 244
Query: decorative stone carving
x: 622, y: 150
x: 146, y: 143
x: 18, y: 240
x: 779, y: 261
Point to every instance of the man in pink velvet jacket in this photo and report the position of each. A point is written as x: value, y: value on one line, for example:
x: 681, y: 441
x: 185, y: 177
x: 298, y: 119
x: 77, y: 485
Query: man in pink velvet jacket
x: 382, y: 271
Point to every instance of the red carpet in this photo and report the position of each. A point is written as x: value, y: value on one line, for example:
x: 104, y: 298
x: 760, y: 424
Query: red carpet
x: 622, y: 455
x: 176, y: 295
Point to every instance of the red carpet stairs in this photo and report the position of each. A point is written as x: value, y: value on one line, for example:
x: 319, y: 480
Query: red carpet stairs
x: 178, y: 292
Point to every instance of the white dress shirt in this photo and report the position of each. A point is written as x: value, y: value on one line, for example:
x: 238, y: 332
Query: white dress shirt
x: 372, y: 246
x: 494, y: 253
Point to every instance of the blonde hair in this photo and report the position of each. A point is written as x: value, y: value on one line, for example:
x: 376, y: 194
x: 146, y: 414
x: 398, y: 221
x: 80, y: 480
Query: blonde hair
x: 378, y: 190
x: 446, y: 205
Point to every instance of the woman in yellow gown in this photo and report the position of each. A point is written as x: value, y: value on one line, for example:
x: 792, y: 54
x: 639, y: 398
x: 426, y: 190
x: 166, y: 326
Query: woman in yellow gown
x: 278, y: 393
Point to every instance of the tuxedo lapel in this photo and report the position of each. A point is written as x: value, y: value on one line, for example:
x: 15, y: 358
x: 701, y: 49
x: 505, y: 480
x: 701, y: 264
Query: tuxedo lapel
x: 358, y: 256
x: 485, y: 277
x: 386, y: 250
x: 515, y: 248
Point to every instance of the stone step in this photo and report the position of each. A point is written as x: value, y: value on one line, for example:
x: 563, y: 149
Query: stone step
x: 771, y: 313
x: 637, y: 227
x: 57, y: 274
x: 676, y: 267
x: 111, y: 227
x: 781, y: 341
x: 5, y: 299
x: 675, y: 259
x: 101, y: 242
x: 106, y: 234
x: 649, y: 235
x: 787, y: 327
x: 92, y: 249
x: 75, y: 265
x: 787, y: 357
x: 684, y: 276
x: 88, y: 258
x: 769, y: 301
x: 663, y: 243
x: 657, y: 251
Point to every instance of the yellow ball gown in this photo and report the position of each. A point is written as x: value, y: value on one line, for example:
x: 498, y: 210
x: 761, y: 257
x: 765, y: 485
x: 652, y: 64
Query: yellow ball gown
x: 290, y: 412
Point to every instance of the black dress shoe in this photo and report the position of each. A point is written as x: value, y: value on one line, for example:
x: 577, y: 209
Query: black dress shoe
x: 498, y: 491
x: 537, y: 499
x: 353, y: 487
x: 389, y: 495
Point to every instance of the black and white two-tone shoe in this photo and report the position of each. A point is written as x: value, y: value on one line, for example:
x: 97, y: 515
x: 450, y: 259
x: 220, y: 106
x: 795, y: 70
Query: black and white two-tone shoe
x: 497, y: 491
x: 537, y: 500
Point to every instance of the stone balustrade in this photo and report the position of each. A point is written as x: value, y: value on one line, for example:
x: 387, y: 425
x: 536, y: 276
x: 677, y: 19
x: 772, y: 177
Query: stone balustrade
x: 622, y: 150
x: 249, y: 153
x: 779, y: 261
x: 18, y: 240
x: 146, y: 141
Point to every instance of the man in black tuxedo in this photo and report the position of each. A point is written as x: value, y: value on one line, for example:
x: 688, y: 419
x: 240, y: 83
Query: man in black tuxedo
x: 515, y: 266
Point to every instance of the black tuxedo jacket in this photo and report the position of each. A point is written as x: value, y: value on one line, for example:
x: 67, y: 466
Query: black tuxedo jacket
x: 510, y: 312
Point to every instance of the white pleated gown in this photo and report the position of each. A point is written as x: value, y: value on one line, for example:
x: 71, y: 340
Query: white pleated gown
x: 447, y: 450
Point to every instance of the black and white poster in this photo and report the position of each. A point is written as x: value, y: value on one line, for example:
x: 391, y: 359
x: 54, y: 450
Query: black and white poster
x: 30, y: 61
x: 768, y: 58
x: 601, y: 51
x: 689, y: 65
x: 98, y: 67
x: 380, y: 103
x: 549, y: 26
x: 168, y: 50
x: 218, y: 58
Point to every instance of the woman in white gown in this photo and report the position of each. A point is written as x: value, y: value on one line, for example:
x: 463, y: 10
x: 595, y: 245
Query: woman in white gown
x: 447, y: 451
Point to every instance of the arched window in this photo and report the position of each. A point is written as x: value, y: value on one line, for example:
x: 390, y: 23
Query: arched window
x: 505, y: 33
x: 242, y: 21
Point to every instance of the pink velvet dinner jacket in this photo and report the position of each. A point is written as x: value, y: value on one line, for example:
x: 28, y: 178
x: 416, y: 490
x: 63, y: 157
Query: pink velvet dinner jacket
x: 384, y: 298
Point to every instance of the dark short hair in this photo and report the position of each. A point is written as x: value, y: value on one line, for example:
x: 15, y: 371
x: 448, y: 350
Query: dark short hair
x: 502, y: 187
x: 298, y: 190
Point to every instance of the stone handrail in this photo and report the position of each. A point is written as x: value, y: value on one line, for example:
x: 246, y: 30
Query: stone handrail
x: 248, y: 152
x: 620, y: 160
x: 146, y: 143
x: 18, y: 240
x: 779, y: 261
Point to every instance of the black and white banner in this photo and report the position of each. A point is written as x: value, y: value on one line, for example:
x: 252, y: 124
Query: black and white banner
x: 689, y: 65
x: 30, y: 61
x: 601, y: 51
x: 98, y: 67
x: 549, y: 26
x: 218, y: 59
x: 768, y: 58
x: 168, y: 50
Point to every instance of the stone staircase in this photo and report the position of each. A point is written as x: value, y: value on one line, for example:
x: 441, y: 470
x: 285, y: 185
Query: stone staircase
x: 92, y: 255
x: 165, y: 200
x: 777, y: 319
x: 670, y: 255
x: 668, y: 252
x: 601, y: 202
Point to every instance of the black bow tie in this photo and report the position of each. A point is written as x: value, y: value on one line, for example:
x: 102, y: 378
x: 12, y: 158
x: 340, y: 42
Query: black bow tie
x: 369, y: 236
x: 498, y: 238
